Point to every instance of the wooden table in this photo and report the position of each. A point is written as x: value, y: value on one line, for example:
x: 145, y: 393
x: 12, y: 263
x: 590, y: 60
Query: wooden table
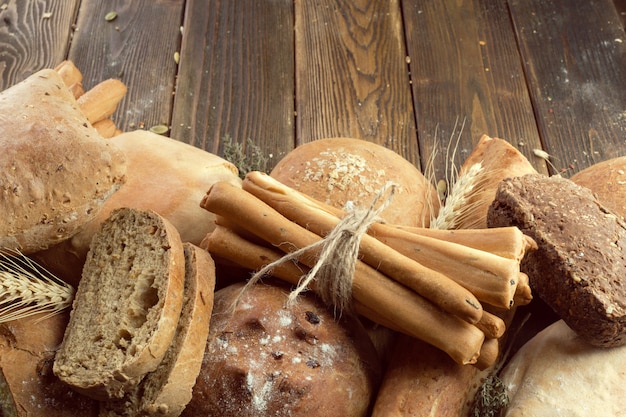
x: 411, y: 75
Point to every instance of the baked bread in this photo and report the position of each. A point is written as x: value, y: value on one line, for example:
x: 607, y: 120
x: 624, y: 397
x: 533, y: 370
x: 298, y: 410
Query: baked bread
x: 607, y: 179
x: 55, y: 169
x: 166, y: 391
x: 580, y: 264
x: 163, y: 175
x: 499, y: 160
x: 126, y: 307
x: 267, y: 359
x: 28, y: 388
x: 558, y: 374
x: 338, y: 170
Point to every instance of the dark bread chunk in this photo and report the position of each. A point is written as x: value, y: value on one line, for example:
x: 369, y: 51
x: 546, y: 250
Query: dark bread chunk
x: 580, y: 266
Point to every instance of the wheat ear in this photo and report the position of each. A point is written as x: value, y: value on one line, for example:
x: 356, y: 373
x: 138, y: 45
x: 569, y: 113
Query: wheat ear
x: 27, y: 288
x: 457, y: 206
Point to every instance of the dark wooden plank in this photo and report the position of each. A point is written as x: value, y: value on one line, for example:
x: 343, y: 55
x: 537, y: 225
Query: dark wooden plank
x: 33, y: 35
x: 620, y: 5
x: 575, y: 60
x: 351, y: 74
x: 137, y: 47
x: 236, y: 76
x: 467, y: 78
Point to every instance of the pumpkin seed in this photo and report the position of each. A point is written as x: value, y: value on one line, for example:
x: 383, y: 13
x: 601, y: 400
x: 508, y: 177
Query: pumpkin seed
x: 159, y: 129
x: 110, y: 16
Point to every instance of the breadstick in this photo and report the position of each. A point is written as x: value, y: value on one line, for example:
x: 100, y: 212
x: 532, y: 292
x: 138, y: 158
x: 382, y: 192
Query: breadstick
x: 69, y: 73
x: 508, y: 242
x: 106, y: 128
x: 490, y: 278
x: 489, y: 353
x: 259, y: 218
x: 376, y: 297
x: 491, y: 325
x: 101, y: 101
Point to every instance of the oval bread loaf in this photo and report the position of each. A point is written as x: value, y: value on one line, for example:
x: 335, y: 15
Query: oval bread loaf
x: 55, y: 169
x: 127, y: 305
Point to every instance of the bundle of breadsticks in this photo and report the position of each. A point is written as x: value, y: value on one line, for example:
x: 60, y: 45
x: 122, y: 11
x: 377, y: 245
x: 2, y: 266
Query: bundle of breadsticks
x: 439, y: 286
x: 99, y: 102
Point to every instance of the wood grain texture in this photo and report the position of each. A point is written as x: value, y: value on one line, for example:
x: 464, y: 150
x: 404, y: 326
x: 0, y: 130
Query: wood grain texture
x: 138, y: 48
x: 467, y: 79
x: 575, y: 59
x: 236, y: 76
x: 351, y: 74
x: 33, y: 35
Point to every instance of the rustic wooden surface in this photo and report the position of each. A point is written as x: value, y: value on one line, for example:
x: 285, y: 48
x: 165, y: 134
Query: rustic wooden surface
x: 410, y: 75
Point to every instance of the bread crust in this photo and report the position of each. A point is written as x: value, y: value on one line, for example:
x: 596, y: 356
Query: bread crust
x: 607, y: 179
x: 29, y: 388
x: 338, y: 170
x: 270, y: 360
x: 558, y: 374
x: 55, y: 169
x: 102, y: 320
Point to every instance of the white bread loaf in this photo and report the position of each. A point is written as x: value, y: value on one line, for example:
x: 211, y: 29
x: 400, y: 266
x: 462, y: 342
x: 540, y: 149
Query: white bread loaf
x: 557, y: 374
x: 126, y: 307
x: 166, y: 391
x: 164, y: 175
x: 55, y: 169
x: 268, y: 359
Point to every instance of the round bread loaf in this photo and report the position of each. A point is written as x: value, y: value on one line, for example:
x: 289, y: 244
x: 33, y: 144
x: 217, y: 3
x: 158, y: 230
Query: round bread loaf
x: 56, y: 171
x: 338, y: 170
x: 266, y: 359
x: 607, y: 179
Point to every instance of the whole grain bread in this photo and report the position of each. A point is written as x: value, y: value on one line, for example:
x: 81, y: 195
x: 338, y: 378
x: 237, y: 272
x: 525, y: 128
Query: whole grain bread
x: 127, y: 305
x: 166, y: 391
x: 55, y: 169
x: 580, y: 265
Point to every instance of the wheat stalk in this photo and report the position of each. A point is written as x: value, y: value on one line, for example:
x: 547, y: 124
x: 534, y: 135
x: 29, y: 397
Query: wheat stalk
x: 455, y: 189
x: 27, y: 288
x: 457, y: 206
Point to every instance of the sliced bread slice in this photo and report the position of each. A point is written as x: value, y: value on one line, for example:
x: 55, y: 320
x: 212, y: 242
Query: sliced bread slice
x: 126, y: 307
x: 166, y: 391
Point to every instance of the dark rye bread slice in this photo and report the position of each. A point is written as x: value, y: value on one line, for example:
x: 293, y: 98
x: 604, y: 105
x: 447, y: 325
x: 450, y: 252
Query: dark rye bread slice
x: 126, y: 307
x: 166, y: 391
x: 579, y: 269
